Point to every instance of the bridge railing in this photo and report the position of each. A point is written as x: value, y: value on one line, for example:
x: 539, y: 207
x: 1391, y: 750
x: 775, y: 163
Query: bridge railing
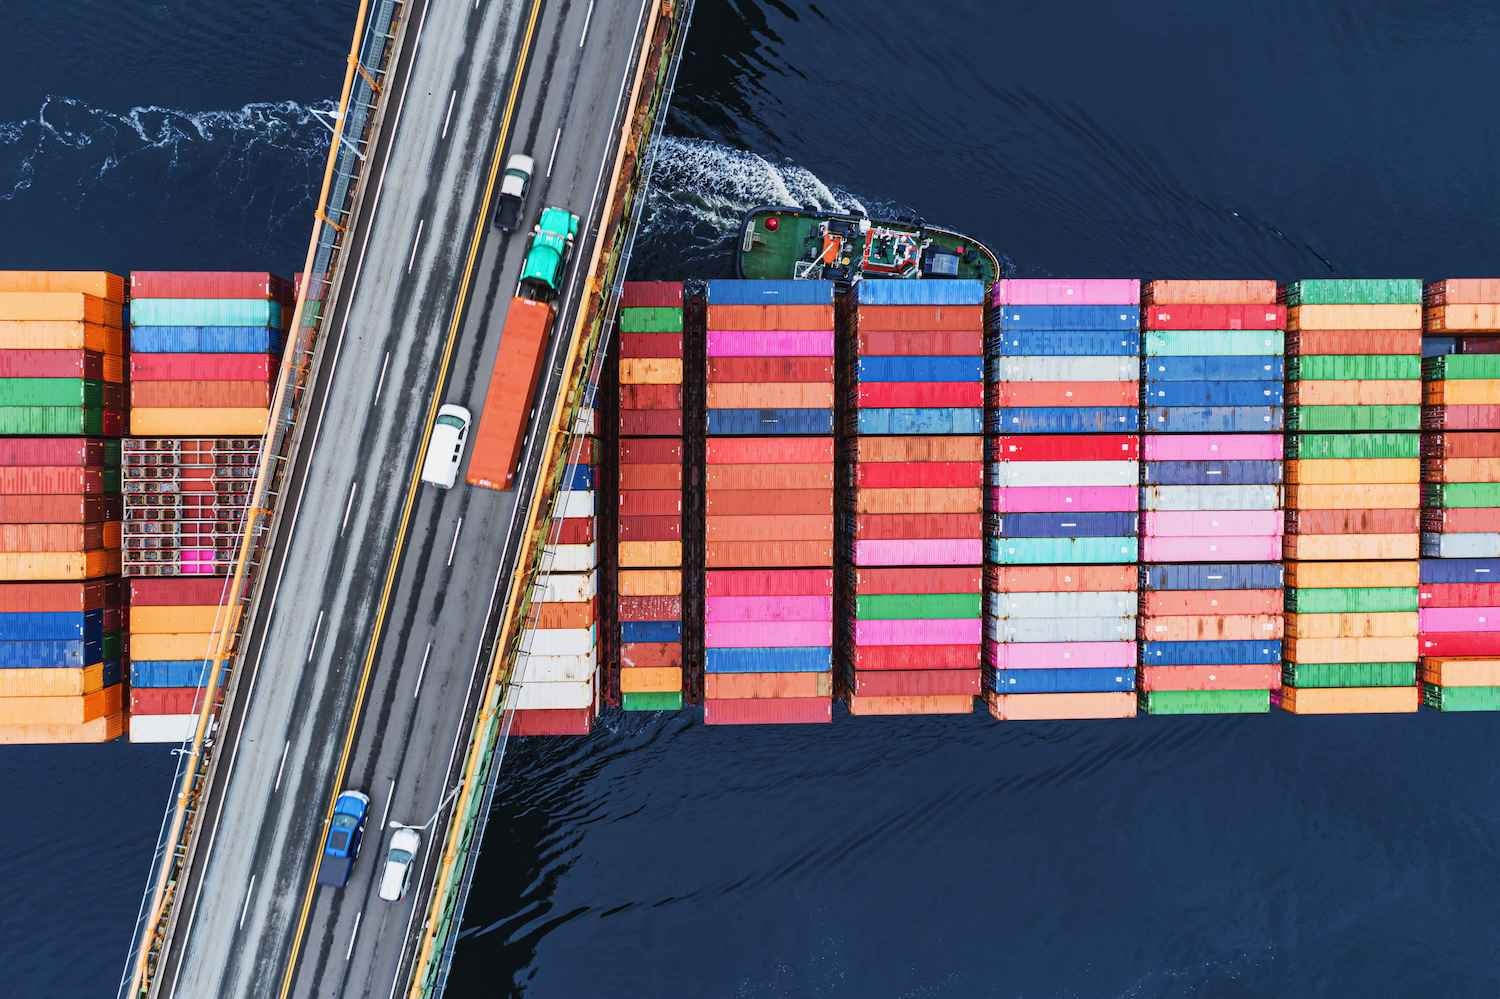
x: 656, y: 71
x: 378, y: 26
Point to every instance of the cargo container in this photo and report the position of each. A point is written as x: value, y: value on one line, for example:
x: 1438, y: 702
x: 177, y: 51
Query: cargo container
x: 501, y: 431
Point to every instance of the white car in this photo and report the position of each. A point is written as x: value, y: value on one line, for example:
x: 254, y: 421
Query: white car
x: 399, y: 861
x: 445, y: 448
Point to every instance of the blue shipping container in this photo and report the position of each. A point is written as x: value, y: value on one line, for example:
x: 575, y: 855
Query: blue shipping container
x: 1460, y: 570
x: 1223, y: 652
x: 921, y: 421
x: 50, y: 652
x: 1061, y: 681
x: 1191, y: 368
x: 893, y: 291
x: 1065, y: 420
x: 731, y: 292
x: 1027, y: 343
x: 1214, y: 576
x: 1066, y: 525
x: 1437, y: 346
x: 1070, y: 317
x: 579, y: 477
x: 170, y: 673
x: 920, y: 369
x: 1211, y: 473
x: 801, y: 659
x: 650, y: 631
x: 1215, y: 420
x: 32, y: 625
x: 205, y: 340
x: 769, y: 422
x: 1213, y: 394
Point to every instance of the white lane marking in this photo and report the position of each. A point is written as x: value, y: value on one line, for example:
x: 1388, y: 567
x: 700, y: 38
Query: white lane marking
x: 353, y: 488
x: 249, y: 890
x: 421, y: 672
x: 586, y: 19
x: 553, y: 158
x: 317, y: 629
x: 449, y: 115
x: 338, y: 348
x: 416, y: 241
x: 357, y: 916
x: 387, y: 813
x: 383, y: 365
x: 454, y: 547
x: 279, y: 769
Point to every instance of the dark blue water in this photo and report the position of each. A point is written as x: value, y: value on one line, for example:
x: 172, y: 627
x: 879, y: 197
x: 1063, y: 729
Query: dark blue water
x: 1240, y: 857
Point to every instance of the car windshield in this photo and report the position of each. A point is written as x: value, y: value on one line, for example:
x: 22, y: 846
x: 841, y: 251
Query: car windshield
x: 344, y: 820
x: 398, y: 857
x: 338, y: 840
x: 450, y: 421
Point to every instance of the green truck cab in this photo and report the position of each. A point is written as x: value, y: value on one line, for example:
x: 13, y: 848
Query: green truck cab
x: 547, y: 255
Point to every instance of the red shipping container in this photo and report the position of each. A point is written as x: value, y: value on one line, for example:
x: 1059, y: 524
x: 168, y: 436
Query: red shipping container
x: 917, y: 395
x: 768, y: 711
x: 770, y: 317
x: 551, y: 721
x: 650, y: 423
x: 651, y: 655
x: 638, y: 345
x: 50, y: 480
x: 890, y: 343
x: 204, y: 591
x: 650, y: 452
x: 576, y: 531
x: 58, y: 451
x: 773, y: 583
x: 1481, y: 344
x: 208, y: 284
x: 749, y: 502
x: 200, y: 395
x: 770, y: 555
x: 203, y: 367
x: 55, y: 597
x: 1353, y: 521
x: 928, y: 318
x: 770, y: 370
x: 59, y: 537
x: 917, y: 526
x: 916, y: 657
x: 1066, y: 447
x: 650, y: 477
x: 166, y: 700
x: 651, y: 528
x: 1461, y: 417
x: 1328, y: 342
x: 1000, y: 394
x: 1246, y: 677
x: 903, y: 581
x: 56, y: 364
x: 659, y: 397
x: 1060, y: 578
x: 916, y: 682
x: 650, y: 608
x: 651, y: 295
x: 650, y: 503
x: 1461, y: 643
x: 1180, y: 603
x: 1465, y: 520
x: 1474, y: 444
x: 916, y: 474
x: 59, y: 509
x: 769, y: 450
x: 1459, y: 595
x: 1214, y: 317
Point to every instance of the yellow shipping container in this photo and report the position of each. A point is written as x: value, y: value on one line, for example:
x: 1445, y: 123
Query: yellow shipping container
x: 770, y: 395
x: 152, y: 422
x: 188, y: 645
x: 59, y: 565
x: 61, y: 681
x: 650, y: 554
x: 108, y: 340
x: 105, y: 729
x: 1325, y: 547
x: 167, y: 619
x: 650, y: 679
x: 1397, y: 624
x: 650, y: 371
x: 649, y: 583
x: 1331, y: 393
x: 33, y: 306
x: 1463, y: 392
x: 1335, y: 575
x: 1366, y: 496
x: 1349, y: 650
x: 1462, y: 672
x: 1354, y: 317
x: 1351, y: 471
x: 1349, y: 700
x: 100, y: 284
x: 62, y: 710
x: 1458, y: 318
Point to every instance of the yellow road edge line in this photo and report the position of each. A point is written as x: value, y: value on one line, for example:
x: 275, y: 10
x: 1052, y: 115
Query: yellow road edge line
x: 497, y: 665
x: 289, y: 973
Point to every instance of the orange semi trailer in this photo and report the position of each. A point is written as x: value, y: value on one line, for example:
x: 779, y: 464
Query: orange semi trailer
x: 507, y: 403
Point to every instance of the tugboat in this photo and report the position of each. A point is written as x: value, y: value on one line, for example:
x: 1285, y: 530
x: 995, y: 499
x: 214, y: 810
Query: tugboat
x: 781, y: 243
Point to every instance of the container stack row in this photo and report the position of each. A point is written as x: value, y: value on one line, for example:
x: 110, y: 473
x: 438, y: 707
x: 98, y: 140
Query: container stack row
x: 768, y: 503
x: 185, y: 503
x: 912, y: 509
x: 62, y: 353
x: 1062, y: 516
x: 1211, y: 622
x: 173, y: 628
x: 649, y: 554
x: 1353, y: 495
x: 1459, y: 616
x: 203, y: 351
x: 558, y: 665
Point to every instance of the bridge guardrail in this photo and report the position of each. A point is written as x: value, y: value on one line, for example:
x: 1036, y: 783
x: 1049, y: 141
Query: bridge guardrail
x: 377, y: 33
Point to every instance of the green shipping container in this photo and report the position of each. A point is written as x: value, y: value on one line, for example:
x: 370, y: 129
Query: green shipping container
x: 1205, y: 702
x: 51, y: 392
x: 650, y: 320
x: 1461, y: 698
x: 1201, y: 343
x: 50, y: 420
x: 668, y: 701
x: 1462, y: 366
x: 204, y: 312
x: 1064, y: 551
x: 1353, y: 600
x: 1355, y: 367
x: 1316, y: 418
x: 111, y: 480
x: 917, y: 606
x: 1349, y: 674
x: 1354, y: 446
x: 1355, y: 291
x: 1461, y: 495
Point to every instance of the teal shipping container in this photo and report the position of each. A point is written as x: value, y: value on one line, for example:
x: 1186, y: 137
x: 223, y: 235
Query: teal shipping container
x: 204, y: 312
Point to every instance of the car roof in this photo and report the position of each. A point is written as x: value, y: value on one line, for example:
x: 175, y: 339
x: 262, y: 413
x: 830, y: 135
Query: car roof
x: 558, y: 220
x: 520, y: 161
x: 406, y: 839
x: 353, y: 802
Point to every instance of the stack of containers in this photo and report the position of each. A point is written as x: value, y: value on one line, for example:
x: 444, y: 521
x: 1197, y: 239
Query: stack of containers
x: 173, y: 623
x: 185, y: 503
x: 1064, y: 478
x: 1353, y: 495
x: 203, y: 348
x: 911, y: 619
x: 1460, y: 594
x: 558, y: 666
x: 1211, y: 616
x: 649, y: 527
x: 61, y: 353
x: 60, y: 662
x: 768, y: 503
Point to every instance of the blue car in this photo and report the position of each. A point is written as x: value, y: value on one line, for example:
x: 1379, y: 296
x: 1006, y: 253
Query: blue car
x: 345, y: 831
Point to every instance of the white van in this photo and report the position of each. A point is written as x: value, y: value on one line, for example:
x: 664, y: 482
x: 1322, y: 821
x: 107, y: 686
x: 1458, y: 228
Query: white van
x: 445, y: 448
x: 399, y: 860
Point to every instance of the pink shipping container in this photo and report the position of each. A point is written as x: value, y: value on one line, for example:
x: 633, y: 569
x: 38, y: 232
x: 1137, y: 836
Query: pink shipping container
x: 1211, y: 447
x: 926, y: 631
x: 1061, y: 655
x: 1213, y: 524
x: 1210, y: 549
x: 765, y: 609
x: 811, y: 343
x: 766, y: 634
x: 1052, y: 291
x: 938, y: 551
x: 208, y: 284
x: 202, y: 367
x: 1438, y: 619
x: 1042, y: 707
x: 1055, y: 499
x: 177, y: 592
x: 58, y: 451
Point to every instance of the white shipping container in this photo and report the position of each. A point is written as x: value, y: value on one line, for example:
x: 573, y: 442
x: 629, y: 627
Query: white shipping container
x: 1213, y: 523
x: 162, y: 728
x: 571, y: 558
x: 1069, y: 369
x: 567, y: 588
x: 585, y: 423
x: 559, y: 641
x: 567, y: 694
x: 557, y: 669
x: 1461, y: 545
x: 1262, y: 497
x: 1060, y: 629
x: 574, y: 503
x: 1031, y: 605
x: 1064, y: 473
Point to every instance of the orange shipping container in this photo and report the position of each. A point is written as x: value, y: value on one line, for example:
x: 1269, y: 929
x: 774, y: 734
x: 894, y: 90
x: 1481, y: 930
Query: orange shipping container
x: 1061, y: 578
x: 1402, y: 624
x: 1463, y: 290
x: 928, y: 318
x: 1213, y: 292
x: 1368, y: 496
x: 99, y: 284
x: 61, y: 710
x: 774, y: 528
x: 59, y: 537
x: 166, y: 619
x: 744, y: 502
x: 1003, y: 394
x: 650, y: 554
x: 1043, y: 707
x: 208, y: 395
x: 1349, y: 700
x: 772, y: 450
x: 1213, y: 627
x: 938, y: 704
x: 637, y: 680
x: 199, y: 422
x: 1348, y: 650
x: 1351, y: 471
x: 650, y: 371
x: 1458, y: 318
x: 1471, y: 470
x: 555, y: 617
x: 1354, y: 317
x: 60, y: 565
x: 35, y: 306
x: 651, y: 476
x: 919, y: 448
x: 496, y: 445
x: 744, y: 686
x: 105, y: 729
x: 770, y: 395
x: 919, y: 501
x: 768, y: 554
x: 62, y: 335
x: 1171, y: 603
x: 1309, y: 342
x: 770, y: 317
x: 1352, y: 393
x: 650, y: 655
x: 817, y: 477
x: 1350, y: 546
x: 1463, y: 392
x: 1462, y: 672
x: 649, y: 583
x: 51, y: 682
x: 1335, y: 575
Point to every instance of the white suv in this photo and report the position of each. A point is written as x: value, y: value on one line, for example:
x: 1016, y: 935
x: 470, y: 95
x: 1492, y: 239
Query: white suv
x: 399, y: 860
x: 445, y: 448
